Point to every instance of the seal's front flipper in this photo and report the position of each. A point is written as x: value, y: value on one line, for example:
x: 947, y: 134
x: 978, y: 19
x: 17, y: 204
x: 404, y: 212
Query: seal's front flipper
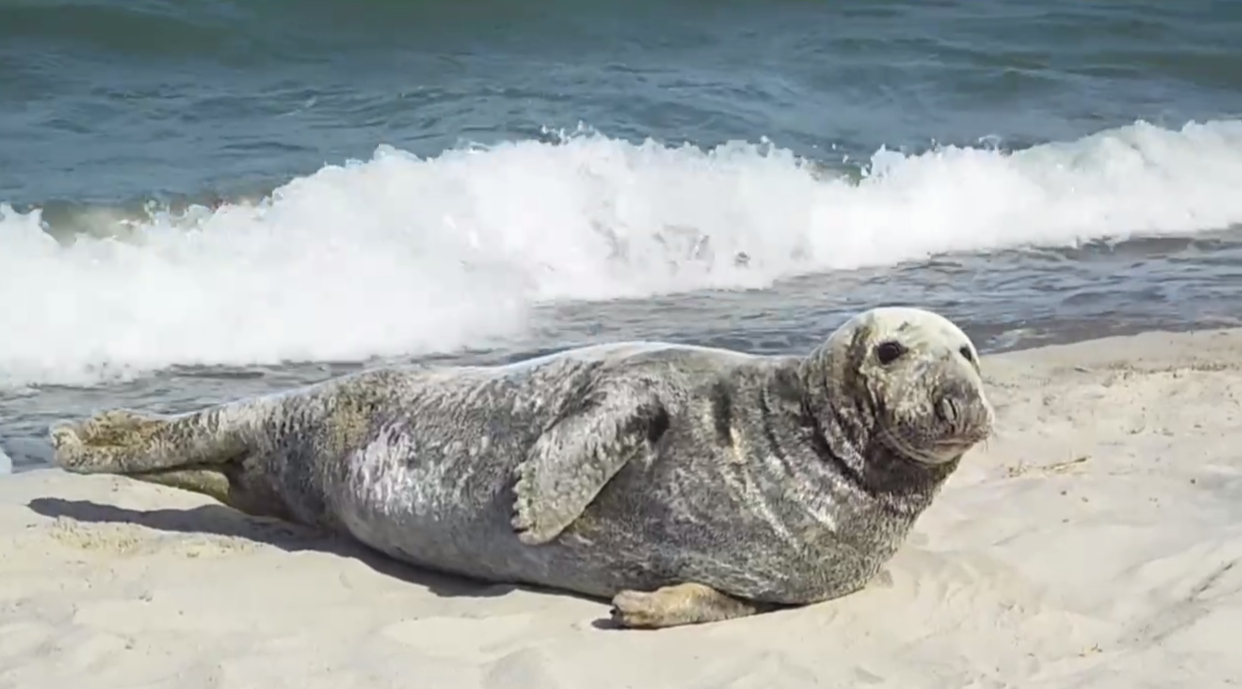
x: 674, y: 606
x: 573, y: 460
x: 129, y: 442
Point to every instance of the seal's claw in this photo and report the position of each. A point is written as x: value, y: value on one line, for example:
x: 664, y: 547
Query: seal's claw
x: 525, y: 521
x: 67, y: 445
x: 526, y: 533
x: 638, y: 610
x: 64, y: 436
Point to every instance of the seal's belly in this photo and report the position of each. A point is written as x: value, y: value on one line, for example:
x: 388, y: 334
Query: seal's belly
x: 738, y: 548
x: 451, y: 512
x: 443, y: 510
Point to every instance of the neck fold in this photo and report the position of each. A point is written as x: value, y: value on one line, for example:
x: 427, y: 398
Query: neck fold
x: 843, y: 426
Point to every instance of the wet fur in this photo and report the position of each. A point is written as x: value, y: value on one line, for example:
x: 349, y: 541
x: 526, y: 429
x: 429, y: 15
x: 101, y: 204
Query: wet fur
x: 737, y: 482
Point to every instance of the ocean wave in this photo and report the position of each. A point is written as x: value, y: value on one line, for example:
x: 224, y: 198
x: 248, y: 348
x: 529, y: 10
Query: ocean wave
x: 405, y: 255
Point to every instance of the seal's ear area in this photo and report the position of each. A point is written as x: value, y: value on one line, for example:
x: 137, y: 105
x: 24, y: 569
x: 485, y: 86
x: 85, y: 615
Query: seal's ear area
x: 880, y: 341
x: 896, y: 330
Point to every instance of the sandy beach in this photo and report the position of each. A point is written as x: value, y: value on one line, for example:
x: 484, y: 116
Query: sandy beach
x: 1094, y: 542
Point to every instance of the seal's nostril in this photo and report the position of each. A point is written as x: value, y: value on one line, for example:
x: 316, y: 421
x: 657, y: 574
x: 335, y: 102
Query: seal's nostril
x: 947, y: 410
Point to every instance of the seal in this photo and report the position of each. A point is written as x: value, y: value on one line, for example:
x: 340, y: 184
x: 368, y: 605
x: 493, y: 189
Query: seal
x: 688, y: 484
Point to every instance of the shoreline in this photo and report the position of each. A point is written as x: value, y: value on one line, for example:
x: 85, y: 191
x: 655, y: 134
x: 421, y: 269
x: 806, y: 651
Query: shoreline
x: 1092, y: 542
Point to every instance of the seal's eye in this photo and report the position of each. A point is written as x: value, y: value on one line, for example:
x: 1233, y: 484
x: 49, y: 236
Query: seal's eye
x: 966, y: 354
x: 888, y: 352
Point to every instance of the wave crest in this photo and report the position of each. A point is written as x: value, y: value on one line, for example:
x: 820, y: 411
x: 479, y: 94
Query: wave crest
x: 400, y: 255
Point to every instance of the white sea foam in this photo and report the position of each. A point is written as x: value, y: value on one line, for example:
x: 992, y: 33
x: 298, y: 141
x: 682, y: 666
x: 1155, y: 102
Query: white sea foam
x: 399, y: 254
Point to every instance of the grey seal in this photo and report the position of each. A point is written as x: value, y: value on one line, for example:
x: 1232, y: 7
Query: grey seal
x: 688, y: 484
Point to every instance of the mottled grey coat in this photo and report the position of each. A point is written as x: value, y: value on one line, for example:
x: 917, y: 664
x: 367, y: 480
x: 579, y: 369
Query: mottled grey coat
x: 596, y: 470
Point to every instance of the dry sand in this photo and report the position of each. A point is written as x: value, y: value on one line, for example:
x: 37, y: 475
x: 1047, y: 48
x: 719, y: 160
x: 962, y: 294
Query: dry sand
x: 1095, y: 542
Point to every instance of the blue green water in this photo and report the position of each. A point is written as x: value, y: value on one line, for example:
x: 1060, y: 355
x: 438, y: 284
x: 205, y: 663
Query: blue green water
x: 207, y: 198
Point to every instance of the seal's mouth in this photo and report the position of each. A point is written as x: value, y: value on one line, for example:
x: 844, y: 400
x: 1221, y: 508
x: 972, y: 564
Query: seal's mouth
x: 954, y: 447
x: 936, y: 450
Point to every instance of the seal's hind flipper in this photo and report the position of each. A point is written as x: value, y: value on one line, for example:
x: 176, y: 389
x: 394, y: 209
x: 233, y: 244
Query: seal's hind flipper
x: 122, y: 441
x: 114, y: 442
x: 573, y: 460
x: 213, y: 483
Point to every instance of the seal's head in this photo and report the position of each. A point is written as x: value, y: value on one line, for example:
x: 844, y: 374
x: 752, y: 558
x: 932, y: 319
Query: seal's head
x: 902, y: 378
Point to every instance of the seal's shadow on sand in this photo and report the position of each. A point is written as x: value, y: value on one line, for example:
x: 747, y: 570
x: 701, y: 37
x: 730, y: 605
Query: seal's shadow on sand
x: 223, y: 521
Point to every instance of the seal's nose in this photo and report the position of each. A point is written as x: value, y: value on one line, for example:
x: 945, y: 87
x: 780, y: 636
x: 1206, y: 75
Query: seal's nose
x: 963, y: 410
x: 947, y: 410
